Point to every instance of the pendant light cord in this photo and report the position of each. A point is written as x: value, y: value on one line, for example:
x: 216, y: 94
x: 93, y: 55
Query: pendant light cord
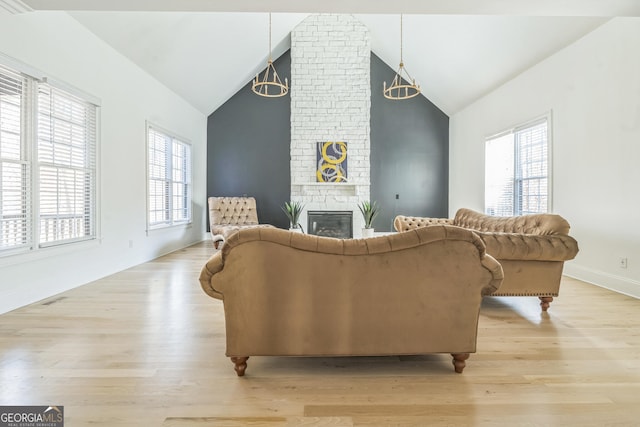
x: 401, y: 61
x: 269, y: 36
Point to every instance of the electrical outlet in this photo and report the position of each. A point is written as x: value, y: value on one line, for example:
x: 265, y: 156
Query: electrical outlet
x: 623, y: 263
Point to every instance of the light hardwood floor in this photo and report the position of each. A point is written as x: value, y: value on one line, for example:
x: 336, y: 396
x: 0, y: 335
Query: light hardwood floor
x: 145, y: 347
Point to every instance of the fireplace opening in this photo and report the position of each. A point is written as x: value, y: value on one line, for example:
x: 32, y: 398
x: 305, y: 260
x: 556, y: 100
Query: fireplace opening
x: 338, y: 224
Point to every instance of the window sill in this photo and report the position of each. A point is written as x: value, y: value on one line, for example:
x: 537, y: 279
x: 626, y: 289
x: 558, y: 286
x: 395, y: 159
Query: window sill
x: 47, y: 252
x: 168, y: 228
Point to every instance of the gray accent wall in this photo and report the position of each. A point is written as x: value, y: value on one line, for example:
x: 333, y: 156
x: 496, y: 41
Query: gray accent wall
x: 248, y: 153
x: 409, y: 153
x: 248, y: 141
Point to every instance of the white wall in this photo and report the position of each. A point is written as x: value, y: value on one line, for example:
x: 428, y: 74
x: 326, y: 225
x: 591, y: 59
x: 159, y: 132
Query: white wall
x: 592, y: 88
x: 56, y: 44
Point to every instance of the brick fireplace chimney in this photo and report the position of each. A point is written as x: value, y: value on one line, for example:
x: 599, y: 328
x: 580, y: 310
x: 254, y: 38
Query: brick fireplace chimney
x: 330, y: 101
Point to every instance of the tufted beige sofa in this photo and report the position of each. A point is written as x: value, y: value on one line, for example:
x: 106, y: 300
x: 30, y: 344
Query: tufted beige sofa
x: 532, y: 249
x: 293, y: 294
x: 229, y: 214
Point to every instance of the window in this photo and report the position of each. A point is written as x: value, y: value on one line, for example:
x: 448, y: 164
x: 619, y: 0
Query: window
x: 15, y: 207
x: 517, y: 170
x: 169, y: 175
x: 66, y: 166
x: 48, y: 174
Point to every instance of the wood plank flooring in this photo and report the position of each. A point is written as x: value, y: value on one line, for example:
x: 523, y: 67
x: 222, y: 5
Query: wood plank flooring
x: 145, y: 347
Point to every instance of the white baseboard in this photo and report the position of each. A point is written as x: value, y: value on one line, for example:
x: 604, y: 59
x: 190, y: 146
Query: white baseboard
x: 615, y: 283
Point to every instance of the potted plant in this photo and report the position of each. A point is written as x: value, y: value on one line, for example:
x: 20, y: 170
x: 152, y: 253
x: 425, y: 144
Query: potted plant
x: 293, y: 211
x: 369, y: 212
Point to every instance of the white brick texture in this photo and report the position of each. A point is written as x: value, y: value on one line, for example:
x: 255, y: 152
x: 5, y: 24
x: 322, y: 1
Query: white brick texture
x: 330, y: 101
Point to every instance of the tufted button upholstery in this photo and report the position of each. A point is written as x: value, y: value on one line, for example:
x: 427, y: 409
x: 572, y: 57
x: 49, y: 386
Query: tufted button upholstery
x: 539, y: 224
x: 406, y: 223
x: 233, y: 210
x: 528, y: 237
x: 531, y: 248
x: 230, y: 214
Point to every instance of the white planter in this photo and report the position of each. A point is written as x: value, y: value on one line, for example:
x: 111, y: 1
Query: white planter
x: 367, y: 232
x: 296, y: 230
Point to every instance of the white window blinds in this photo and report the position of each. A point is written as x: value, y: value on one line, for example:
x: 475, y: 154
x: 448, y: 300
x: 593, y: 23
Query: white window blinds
x: 169, y: 176
x: 531, y: 182
x: 66, y: 166
x: 48, y: 140
x: 516, y: 171
x: 15, y: 183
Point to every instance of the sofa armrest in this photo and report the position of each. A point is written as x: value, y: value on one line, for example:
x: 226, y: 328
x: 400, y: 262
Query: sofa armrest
x: 516, y: 246
x: 213, y: 266
x: 491, y: 264
x: 406, y: 223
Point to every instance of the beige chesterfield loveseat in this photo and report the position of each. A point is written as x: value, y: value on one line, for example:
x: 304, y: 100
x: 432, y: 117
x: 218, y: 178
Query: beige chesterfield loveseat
x: 532, y: 249
x: 292, y: 294
x: 229, y: 214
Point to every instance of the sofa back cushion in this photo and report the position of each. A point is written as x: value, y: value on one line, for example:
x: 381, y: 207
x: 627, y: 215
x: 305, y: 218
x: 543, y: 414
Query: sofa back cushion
x: 540, y: 224
x: 233, y: 211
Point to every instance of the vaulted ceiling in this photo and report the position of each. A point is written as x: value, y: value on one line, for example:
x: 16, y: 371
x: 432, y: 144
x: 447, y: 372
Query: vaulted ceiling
x: 459, y: 50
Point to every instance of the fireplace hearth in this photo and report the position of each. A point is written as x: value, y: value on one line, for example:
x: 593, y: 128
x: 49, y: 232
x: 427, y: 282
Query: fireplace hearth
x: 338, y: 224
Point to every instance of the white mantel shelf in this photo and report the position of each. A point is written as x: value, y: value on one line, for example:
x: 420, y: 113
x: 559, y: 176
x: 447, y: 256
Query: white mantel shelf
x: 325, y: 184
x: 346, y: 186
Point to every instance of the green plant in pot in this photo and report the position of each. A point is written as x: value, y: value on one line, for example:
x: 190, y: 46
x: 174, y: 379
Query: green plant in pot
x: 369, y: 212
x: 293, y: 211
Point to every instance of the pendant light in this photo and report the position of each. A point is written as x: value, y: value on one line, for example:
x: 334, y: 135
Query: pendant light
x: 403, y: 86
x: 270, y: 85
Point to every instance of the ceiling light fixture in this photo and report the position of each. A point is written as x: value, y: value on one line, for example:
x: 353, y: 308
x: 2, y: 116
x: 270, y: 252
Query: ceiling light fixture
x: 403, y: 86
x: 270, y: 78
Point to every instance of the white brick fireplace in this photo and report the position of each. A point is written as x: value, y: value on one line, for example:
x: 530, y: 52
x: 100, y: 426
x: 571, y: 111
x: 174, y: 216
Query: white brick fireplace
x: 330, y: 101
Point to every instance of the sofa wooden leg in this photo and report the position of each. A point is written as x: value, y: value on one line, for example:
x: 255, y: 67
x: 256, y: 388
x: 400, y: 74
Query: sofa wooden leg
x: 240, y: 365
x: 459, y: 361
x: 544, y: 302
x: 216, y: 243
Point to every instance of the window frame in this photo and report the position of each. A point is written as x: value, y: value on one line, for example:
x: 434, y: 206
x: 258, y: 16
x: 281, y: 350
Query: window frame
x: 89, y: 168
x: 34, y: 248
x: 25, y: 161
x: 513, y: 130
x: 171, y: 222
